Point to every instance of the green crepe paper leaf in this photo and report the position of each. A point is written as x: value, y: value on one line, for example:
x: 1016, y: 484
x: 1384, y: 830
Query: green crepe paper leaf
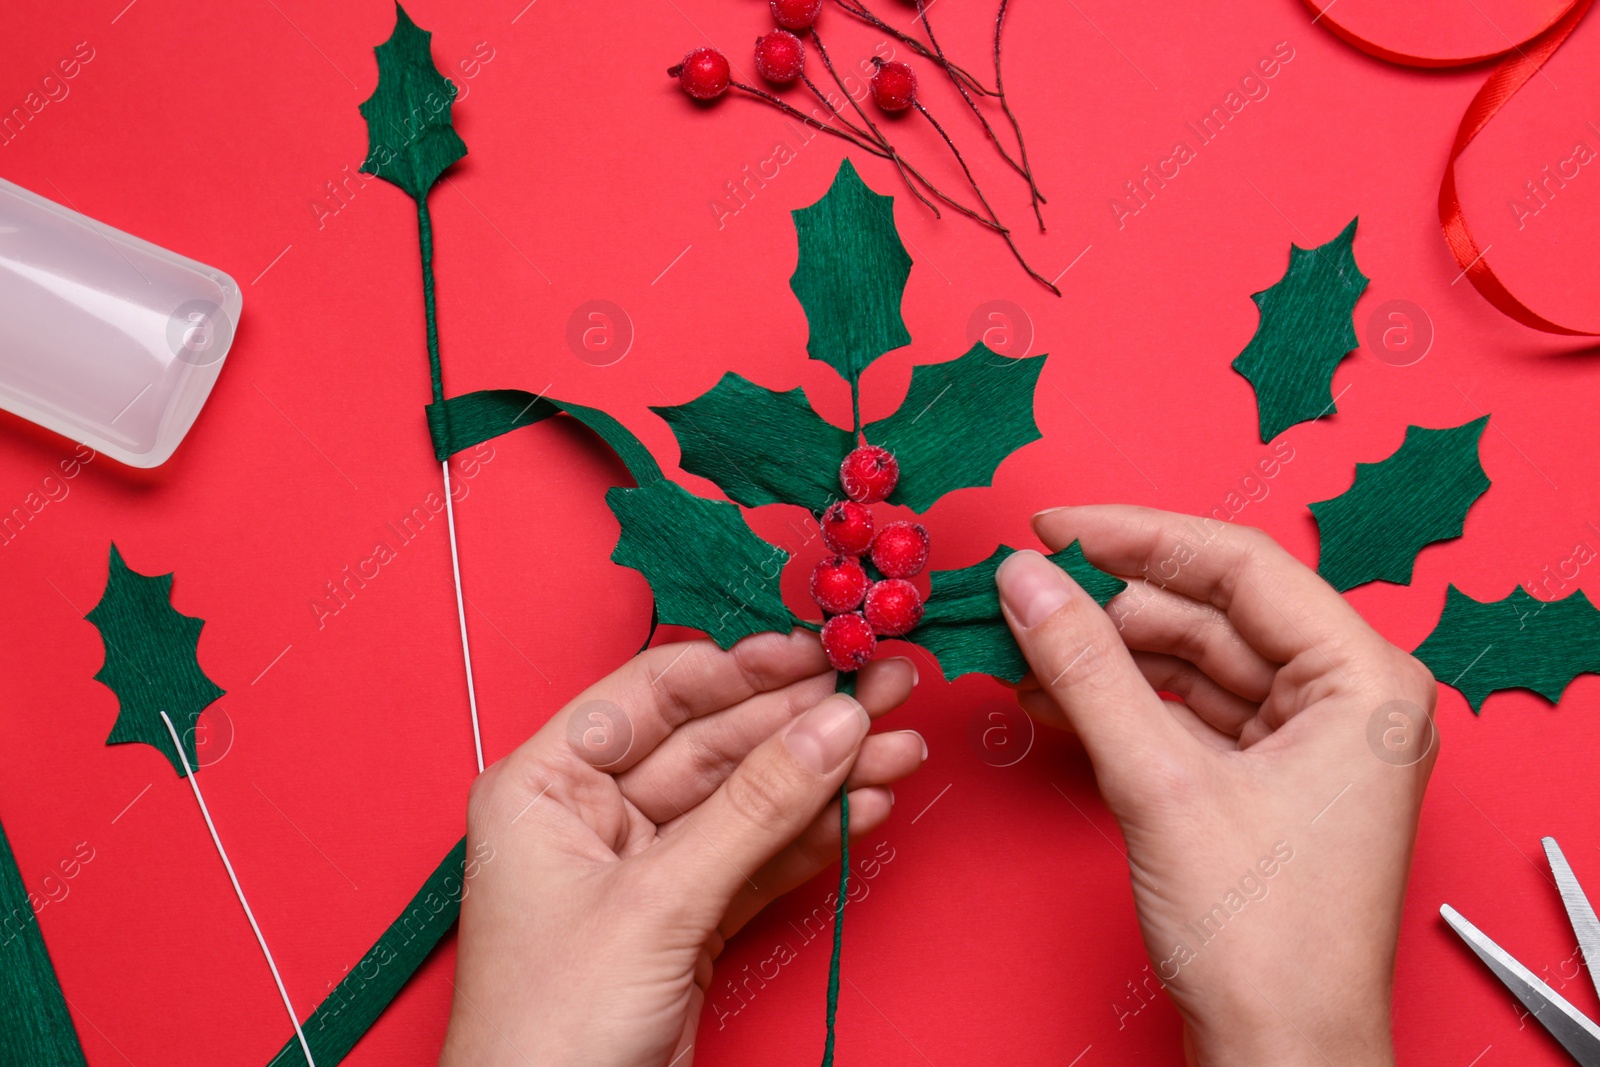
x: 151, y: 662
x: 959, y: 421
x: 1304, y: 332
x: 410, y: 141
x: 851, y: 275
x: 1395, y: 508
x: 963, y: 626
x: 35, y: 1024
x: 368, y: 987
x: 760, y: 447
x: 707, y: 568
x: 473, y: 418
x: 1480, y: 647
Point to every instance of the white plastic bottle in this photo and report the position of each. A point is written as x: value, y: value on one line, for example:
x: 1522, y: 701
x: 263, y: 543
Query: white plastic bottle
x: 108, y: 339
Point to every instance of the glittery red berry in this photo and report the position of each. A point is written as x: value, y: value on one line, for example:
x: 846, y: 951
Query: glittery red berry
x: 847, y: 527
x: 894, y: 86
x: 838, y: 583
x: 868, y: 474
x: 900, y: 549
x: 849, y: 641
x: 703, y: 73
x: 893, y: 607
x: 780, y: 57
x: 796, y: 14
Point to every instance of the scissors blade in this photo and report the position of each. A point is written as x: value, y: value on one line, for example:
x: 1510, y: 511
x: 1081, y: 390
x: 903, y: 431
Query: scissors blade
x: 1579, y: 911
x: 1568, y: 1025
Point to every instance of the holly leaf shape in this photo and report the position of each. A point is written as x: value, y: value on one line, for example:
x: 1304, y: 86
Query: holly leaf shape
x: 1304, y: 332
x: 707, y: 568
x: 851, y: 275
x: 759, y: 446
x: 1395, y: 508
x: 963, y: 626
x: 959, y: 420
x: 1480, y: 647
x: 410, y: 140
x: 151, y: 661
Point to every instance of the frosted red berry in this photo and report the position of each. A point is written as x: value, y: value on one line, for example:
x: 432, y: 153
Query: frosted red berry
x: 849, y: 641
x: 894, y: 86
x: 780, y: 57
x: 796, y: 14
x: 703, y: 73
x: 847, y: 527
x: 893, y: 607
x: 838, y: 583
x: 868, y: 474
x: 901, y: 549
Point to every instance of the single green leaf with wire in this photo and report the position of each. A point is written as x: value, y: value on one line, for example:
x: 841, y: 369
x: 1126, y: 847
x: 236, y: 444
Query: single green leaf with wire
x: 759, y: 446
x: 1396, y: 507
x: 151, y: 662
x: 410, y: 140
x: 959, y: 421
x: 1480, y: 647
x: 1304, y: 332
x: 707, y: 568
x: 963, y: 626
x: 851, y: 275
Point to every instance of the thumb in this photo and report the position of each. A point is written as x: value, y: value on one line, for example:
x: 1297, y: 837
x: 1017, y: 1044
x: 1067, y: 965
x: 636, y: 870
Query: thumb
x: 768, y: 800
x: 1080, y: 662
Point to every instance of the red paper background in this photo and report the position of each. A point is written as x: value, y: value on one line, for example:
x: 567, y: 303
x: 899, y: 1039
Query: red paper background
x: 1002, y: 930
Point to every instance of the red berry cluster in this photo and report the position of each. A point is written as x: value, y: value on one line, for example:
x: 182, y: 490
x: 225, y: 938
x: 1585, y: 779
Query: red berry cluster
x: 861, y: 610
x: 780, y: 58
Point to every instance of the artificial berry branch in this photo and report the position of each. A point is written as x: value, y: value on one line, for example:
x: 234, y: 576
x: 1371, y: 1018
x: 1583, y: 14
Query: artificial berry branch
x: 780, y: 59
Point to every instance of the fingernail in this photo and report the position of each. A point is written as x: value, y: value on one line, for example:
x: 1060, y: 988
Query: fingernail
x: 920, y: 740
x: 891, y: 798
x: 822, y: 737
x: 915, y: 677
x: 1047, y: 511
x: 1032, y: 587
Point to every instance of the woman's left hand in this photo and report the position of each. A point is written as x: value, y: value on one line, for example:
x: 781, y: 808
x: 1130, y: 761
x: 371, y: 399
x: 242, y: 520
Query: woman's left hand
x: 614, y: 852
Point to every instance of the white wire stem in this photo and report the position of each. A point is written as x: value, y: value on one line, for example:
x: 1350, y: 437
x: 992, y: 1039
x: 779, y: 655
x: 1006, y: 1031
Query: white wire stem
x: 461, y: 613
x: 248, y: 914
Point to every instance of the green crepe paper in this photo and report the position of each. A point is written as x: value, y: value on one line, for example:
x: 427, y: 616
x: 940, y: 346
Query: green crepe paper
x: 851, y: 274
x: 150, y: 661
x: 707, y: 568
x: 1304, y: 332
x: 366, y: 990
x: 960, y: 419
x: 473, y: 418
x: 35, y: 1025
x: 963, y: 626
x: 410, y: 141
x: 760, y: 447
x: 1479, y: 646
x: 1395, y: 508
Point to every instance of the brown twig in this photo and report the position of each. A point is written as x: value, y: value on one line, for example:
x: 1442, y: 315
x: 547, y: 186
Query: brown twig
x: 788, y: 109
x: 858, y: 10
x: 1016, y: 127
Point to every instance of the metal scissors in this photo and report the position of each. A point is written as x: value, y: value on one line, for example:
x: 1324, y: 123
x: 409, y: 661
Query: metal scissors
x: 1576, y: 1032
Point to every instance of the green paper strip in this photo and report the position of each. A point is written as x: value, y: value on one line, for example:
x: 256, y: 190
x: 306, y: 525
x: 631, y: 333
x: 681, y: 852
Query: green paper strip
x: 707, y: 568
x: 35, y: 1025
x: 1397, y: 507
x: 473, y: 418
x: 1304, y: 332
x: 850, y: 275
x: 959, y: 422
x: 1480, y: 647
x: 963, y: 626
x: 760, y: 446
x: 357, y: 1001
x: 150, y: 662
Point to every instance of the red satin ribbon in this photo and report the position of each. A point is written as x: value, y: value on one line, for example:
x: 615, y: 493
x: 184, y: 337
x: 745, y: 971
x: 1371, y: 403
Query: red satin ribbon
x: 1519, y: 62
